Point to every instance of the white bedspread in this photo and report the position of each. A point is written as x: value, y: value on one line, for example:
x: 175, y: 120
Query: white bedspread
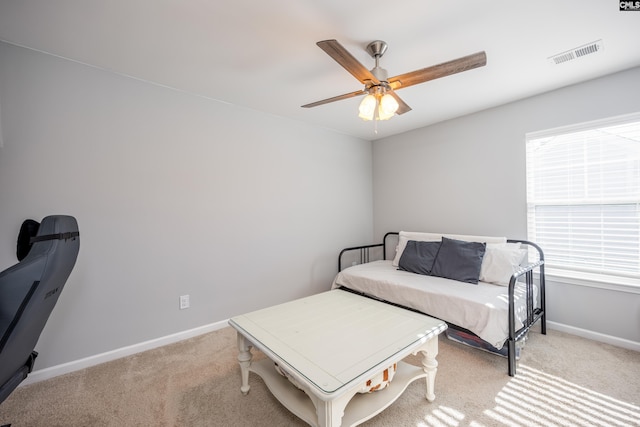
x: 483, y: 308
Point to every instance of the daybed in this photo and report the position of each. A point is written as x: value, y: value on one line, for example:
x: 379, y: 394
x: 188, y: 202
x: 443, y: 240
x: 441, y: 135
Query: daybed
x: 489, y: 289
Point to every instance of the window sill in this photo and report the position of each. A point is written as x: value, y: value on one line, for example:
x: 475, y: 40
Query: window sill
x: 614, y: 283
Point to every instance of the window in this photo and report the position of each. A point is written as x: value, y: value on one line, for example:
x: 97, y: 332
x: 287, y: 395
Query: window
x: 583, y: 198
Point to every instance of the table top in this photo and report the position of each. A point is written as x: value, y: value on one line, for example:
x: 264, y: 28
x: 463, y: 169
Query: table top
x: 334, y: 338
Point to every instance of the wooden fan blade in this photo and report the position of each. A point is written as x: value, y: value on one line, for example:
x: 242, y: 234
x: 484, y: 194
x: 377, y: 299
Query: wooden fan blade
x: 335, y: 98
x: 459, y: 65
x: 403, y: 107
x: 348, y: 62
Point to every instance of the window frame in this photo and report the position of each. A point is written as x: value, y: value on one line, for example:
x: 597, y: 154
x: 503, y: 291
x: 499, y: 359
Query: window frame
x: 576, y: 277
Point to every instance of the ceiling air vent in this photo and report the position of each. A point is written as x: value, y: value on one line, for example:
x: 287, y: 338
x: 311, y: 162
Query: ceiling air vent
x: 577, y: 52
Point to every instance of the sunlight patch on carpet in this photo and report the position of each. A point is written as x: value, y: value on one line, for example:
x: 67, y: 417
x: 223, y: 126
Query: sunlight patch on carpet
x: 443, y: 417
x: 535, y: 397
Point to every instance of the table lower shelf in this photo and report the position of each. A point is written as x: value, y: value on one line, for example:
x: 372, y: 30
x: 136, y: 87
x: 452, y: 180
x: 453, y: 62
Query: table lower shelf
x: 361, y: 407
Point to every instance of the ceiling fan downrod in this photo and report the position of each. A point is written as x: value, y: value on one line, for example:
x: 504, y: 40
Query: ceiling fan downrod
x: 376, y: 49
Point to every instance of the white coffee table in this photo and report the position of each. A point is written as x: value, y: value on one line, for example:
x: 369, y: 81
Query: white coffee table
x: 331, y: 344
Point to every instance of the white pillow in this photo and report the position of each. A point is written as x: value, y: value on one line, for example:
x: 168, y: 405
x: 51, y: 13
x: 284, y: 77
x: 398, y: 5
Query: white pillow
x: 500, y: 262
x: 405, y: 236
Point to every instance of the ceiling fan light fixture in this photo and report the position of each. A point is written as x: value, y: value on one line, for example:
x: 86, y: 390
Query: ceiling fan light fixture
x: 377, y: 106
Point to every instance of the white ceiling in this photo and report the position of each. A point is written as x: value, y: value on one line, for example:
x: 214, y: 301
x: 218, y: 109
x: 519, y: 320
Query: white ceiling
x: 261, y: 54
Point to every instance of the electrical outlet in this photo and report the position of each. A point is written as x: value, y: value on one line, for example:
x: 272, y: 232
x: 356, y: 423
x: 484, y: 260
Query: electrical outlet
x: 184, y: 302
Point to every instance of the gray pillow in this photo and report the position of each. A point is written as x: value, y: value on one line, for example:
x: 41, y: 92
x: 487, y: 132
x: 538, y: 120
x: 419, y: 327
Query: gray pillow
x: 418, y: 257
x: 459, y: 260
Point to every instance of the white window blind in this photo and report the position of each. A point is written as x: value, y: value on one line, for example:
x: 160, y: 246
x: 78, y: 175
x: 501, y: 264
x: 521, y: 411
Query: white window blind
x: 583, y: 197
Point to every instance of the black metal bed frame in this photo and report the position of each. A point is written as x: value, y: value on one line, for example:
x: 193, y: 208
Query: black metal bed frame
x: 535, y: 312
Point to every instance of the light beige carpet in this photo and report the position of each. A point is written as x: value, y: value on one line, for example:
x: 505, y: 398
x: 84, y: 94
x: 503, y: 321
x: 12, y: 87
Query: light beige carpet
x: 562, y: 380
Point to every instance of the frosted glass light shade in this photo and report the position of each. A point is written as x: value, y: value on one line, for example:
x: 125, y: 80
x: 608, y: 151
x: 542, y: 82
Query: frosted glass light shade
x: 388, y: 107
x: 367, y: 107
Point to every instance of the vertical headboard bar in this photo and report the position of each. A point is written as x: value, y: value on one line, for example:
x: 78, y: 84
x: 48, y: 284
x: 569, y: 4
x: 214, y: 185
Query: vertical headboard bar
x: 384, y: 242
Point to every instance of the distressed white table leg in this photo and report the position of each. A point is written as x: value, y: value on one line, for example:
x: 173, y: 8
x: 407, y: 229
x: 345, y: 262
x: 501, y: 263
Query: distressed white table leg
x: 430, y: 365
x: 244, y: 358
x: 330, y: 413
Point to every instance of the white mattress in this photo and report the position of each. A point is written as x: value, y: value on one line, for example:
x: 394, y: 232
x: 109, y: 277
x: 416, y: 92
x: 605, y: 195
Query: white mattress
x: 483, y: 308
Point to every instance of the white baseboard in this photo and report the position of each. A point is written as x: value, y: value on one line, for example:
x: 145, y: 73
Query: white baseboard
x: 595, y: 336
x: 65, y: 368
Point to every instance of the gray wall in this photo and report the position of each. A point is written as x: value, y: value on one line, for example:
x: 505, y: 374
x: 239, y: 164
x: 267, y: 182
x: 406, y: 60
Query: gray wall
x: 467, y: 176
x: 174, y: 194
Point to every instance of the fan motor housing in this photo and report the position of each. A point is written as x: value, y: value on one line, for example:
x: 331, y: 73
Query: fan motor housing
x: 380, y: 74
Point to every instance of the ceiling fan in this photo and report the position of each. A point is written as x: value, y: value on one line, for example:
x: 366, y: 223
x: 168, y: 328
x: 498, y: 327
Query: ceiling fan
x: 382, y: 102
